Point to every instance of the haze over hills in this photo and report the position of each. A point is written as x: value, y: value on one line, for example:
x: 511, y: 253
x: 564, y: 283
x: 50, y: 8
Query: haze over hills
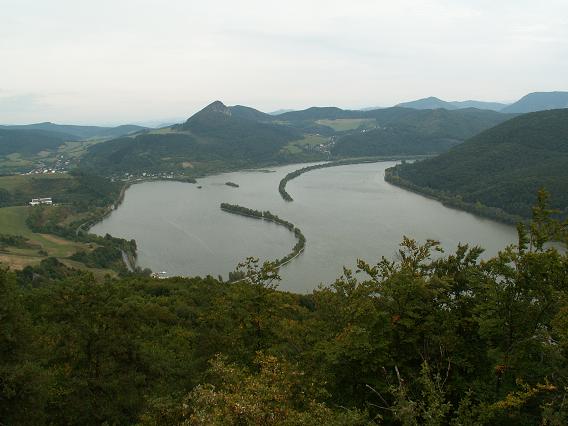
x: 539, y: 101
x: 30, y: 141
x: 502, y: 167
x: 434, y: 103
x: 81, y: 132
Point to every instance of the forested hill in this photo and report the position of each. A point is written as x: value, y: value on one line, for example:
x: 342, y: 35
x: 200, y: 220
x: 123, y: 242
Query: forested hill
x: 434, y: 103
x: 30, y: 141
x: 232, y: 137
x: 504, y: 166
x: 411, y: 132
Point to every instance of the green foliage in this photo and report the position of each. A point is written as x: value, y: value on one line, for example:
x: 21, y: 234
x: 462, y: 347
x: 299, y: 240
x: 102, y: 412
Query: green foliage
x: 27, y: 142
x: 215, y: 134
x: 14, y: 241
x: 426, y: 338
x: 502, y: 168
x: 80, y: 190
x: 402, y: 131
x: 392, y: 141
x: 276, y: 395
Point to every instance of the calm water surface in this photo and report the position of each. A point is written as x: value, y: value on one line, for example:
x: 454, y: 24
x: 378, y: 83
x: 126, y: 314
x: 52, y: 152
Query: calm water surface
x: 345, y: 212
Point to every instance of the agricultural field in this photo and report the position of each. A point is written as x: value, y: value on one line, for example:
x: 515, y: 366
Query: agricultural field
x: 69, y: 152
x: 37, y: 246
x: 309, y: 143
x: 77, y: 198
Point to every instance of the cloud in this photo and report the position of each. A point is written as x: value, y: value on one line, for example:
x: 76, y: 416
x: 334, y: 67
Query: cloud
x: 135, y: 60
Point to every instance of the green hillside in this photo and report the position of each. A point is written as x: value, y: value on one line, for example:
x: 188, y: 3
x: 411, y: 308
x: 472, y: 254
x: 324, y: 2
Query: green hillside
x: 409, y: 131
x: 28, y: 142
x: 435, y: 103
x: 502, y: 167
x: 228, y: 137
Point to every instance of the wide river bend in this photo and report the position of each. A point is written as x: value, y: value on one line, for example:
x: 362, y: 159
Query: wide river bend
x: 345, y: 212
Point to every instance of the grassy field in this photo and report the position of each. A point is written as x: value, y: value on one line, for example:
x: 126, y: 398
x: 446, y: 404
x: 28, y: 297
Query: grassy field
x: 13, y: 222
x: 305, y: 144
x: 344, y: 124
x: 24, y: 183
x: 76, y: 150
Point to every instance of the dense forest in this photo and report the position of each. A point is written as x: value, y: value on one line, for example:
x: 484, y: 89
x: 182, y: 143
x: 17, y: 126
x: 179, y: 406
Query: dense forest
x: 424, y: 339
x: 501, y: 168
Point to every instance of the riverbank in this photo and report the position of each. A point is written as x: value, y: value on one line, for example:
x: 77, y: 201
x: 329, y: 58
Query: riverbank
x: 453, y: 201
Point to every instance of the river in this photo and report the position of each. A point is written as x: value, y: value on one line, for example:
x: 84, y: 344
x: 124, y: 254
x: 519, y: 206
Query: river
x: 345, y: 212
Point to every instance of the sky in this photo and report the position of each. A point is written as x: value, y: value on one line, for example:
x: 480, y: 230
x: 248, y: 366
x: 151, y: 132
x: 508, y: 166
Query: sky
x: 141, y: 61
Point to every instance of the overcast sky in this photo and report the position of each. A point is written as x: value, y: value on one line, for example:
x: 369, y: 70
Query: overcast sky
x: 115, y: 61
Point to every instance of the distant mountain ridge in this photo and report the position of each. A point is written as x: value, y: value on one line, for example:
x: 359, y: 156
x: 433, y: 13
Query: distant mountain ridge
x: 435, y: 103
x: 533, y: 102
x: 80, y: 132
x: 539, y: 101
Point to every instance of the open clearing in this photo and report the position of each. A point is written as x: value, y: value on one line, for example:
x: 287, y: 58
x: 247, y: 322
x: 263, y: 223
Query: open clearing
x: 13, y: 222
x: 344, y: 124
x: 309, y: 142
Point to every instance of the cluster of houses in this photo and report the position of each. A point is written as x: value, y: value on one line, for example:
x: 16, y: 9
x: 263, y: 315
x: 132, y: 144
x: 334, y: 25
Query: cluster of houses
x: 37, y: 201
x: 127, y: 177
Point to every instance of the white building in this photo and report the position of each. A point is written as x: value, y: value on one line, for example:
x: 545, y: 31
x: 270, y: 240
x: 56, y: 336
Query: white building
x: 38, y: 201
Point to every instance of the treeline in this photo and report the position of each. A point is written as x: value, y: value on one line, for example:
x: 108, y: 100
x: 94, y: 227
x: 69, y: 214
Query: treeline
x: 108, y: 254
x: 266, y: 215
x: 423, y: 339
x: 17, y: 241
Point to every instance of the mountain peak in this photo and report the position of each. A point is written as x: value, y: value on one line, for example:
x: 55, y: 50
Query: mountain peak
x: 217, y: 106
x: 214, y: 111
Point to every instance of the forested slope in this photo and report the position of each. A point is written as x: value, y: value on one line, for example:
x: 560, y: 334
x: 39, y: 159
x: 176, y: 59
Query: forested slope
x: 502, y: 167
